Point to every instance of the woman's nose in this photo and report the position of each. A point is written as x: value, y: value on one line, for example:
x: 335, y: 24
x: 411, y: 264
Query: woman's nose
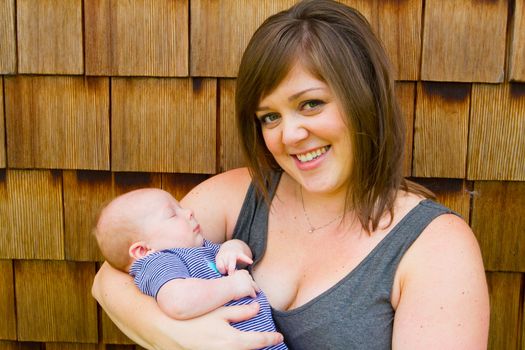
x: 293, y: 130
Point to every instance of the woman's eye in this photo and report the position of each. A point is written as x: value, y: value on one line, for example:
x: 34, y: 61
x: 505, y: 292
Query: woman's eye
x: 311, y: 105
x: 269, y: 118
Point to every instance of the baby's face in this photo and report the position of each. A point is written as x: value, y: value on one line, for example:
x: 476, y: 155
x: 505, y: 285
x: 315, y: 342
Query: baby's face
x: 169, y: 225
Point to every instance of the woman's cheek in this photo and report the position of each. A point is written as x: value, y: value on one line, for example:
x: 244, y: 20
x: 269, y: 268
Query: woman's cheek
x: 271, y: 140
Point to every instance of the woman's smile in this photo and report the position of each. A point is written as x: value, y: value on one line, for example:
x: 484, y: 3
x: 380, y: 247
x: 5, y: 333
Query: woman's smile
x: 311, y: 159
x: 311, y: 155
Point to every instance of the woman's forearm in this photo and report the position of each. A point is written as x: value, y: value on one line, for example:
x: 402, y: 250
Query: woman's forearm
x: 136, y: 314
x: 139, y: 317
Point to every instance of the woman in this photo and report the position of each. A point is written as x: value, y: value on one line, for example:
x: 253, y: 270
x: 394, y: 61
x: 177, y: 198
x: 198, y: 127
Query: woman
x: 349, y: 254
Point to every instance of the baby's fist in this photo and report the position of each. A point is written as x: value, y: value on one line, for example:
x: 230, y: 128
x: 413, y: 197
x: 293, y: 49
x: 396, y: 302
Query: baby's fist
x: 243, y: 284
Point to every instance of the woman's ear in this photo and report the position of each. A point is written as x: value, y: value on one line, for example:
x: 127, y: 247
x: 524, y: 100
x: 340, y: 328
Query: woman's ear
x: 139, y: 250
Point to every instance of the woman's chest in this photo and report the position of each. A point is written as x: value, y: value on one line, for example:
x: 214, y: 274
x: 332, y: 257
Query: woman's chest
x: 299, y: 266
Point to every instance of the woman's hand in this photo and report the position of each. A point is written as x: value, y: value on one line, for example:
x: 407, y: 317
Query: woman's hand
x: 213, y: 331
x: 140, y: 318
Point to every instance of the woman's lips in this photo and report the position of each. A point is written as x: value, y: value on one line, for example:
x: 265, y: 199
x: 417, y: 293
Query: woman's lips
x: 311, y: 155
x: 312, y: 159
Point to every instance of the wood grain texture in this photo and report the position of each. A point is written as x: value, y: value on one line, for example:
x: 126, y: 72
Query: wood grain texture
x: 141, y: 38
x: 441, y: 130
x: 84, y: 194
x: 73, y: 346
x: 398, y: 24
x: 464, y: 41
x: 523, y: 316
x: 12, y: 345
x: 164, y: 125
x: 57, y: 122
x: 517, y: 46
x: 180, y: 184
x: 452, y: 193
x: 499, y: 223
x: 54, y: 303
x: 31, y: 215
x: 49, y: 36
x: 230, y: 153
x: 497, y: 125
x: 220, y: 31
x: 504, y: 289
x: 125, y: 182
x: 406, y: 95
x: 2, y: 126
x: 122, y: 347
x: 7, y: 37
x: 7, y: 301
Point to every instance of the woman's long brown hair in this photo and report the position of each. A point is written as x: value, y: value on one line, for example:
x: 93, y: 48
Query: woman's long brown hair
x: 336, y: 44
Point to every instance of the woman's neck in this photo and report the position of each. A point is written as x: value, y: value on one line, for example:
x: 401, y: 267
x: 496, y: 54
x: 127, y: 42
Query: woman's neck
x: 327, y: 203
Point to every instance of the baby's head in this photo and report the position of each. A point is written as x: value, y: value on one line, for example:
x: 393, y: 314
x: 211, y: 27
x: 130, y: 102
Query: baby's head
x: 141, y: 222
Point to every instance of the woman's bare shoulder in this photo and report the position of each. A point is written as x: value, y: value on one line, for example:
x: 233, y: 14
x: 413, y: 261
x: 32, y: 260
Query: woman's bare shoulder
x: 217, y: 201
x: 447, y: 238
x: 231, y: 183
x: 441, y: 289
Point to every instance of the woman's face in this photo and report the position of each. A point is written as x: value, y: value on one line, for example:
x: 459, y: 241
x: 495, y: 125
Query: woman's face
x: 303, y: 127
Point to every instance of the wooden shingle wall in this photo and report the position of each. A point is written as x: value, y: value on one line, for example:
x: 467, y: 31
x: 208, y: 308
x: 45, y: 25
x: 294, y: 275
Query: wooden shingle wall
x: 102, y: 96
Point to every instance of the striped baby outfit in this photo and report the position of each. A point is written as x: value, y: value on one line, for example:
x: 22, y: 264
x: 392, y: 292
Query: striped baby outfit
x: 151, y: 272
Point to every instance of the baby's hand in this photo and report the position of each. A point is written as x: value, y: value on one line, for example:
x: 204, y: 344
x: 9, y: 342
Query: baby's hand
x: 243, y: 284
x: 227, y: 260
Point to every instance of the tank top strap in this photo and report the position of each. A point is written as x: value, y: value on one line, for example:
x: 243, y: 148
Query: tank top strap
x: 382, y: 262
x: 252, y: 223
x: 412, y: 225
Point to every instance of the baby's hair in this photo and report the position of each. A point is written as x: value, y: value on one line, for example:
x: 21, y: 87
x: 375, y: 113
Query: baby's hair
x: 114, y: 232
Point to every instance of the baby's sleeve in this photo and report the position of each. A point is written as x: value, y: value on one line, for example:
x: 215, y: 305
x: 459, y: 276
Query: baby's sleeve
x: 154, y: 270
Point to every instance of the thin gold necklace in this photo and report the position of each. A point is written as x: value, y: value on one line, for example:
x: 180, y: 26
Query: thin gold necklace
x: 312, y: 228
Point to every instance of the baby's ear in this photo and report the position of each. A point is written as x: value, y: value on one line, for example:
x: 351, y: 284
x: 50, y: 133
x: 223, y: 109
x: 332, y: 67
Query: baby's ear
x: 139, y: 250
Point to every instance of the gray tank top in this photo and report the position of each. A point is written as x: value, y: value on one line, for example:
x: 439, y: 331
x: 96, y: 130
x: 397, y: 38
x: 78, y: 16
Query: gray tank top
x: 356, y: 312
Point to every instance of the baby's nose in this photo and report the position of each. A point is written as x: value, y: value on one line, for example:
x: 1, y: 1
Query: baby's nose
x: 188, y: 213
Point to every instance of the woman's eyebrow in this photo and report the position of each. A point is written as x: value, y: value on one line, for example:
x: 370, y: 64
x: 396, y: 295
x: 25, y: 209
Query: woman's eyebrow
x: 297, y: 95
x: 291, y: 98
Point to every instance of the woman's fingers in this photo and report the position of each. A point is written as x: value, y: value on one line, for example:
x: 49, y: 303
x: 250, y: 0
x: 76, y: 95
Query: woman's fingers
x: 250, y: 340
x: 238, y: 313
x: 257, y: 340
x: 222, y: 335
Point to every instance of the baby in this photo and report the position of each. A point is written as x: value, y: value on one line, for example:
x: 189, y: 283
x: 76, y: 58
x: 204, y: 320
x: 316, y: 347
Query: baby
x: 149, y: 235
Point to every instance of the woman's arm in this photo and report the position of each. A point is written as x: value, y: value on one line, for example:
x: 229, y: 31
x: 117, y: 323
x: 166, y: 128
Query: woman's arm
x: 443, y: 295
x: 139, y: 317
x: 134, y: 313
